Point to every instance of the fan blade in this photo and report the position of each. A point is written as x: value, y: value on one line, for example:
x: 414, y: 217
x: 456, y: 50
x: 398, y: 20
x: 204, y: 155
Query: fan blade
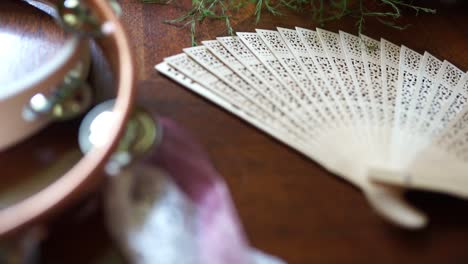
x: 390, y: 203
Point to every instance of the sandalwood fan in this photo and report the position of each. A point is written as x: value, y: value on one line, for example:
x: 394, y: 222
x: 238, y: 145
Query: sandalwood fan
x: 382, y: 116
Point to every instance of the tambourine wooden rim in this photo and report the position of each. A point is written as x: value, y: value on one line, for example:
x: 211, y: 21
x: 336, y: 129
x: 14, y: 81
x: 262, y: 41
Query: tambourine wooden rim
x: 84, y: 175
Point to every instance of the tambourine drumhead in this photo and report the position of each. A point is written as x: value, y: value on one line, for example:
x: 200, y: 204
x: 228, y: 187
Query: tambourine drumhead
x: 46, y: 171
x: 28, y: 39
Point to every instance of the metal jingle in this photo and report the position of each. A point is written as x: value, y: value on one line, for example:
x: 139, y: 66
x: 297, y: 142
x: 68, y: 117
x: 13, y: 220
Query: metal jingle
x: 76, y: 16
x: 74, y: 105
x: 142, y: 133
x: 70, y: 99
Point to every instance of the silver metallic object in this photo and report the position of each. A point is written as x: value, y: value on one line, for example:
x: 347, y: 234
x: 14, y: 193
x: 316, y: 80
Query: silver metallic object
x: 73, y: 96
x: 141, y: 135
x: 75, y: 16
x: 70, y: 98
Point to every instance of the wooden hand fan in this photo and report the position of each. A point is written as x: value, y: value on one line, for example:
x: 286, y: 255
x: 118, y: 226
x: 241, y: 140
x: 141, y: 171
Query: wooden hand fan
x: 381, y: 116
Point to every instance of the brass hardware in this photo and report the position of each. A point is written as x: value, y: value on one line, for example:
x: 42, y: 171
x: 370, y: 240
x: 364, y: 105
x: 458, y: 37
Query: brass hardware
x: 71, y: 98
x: 141, y: 134
x: 77, y: 17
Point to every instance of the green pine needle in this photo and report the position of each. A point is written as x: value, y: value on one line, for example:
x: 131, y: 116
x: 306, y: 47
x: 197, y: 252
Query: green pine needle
x: 322, y: 11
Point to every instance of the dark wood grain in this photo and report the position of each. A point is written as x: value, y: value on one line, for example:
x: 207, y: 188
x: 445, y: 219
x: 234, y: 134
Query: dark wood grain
x: 290, y: 206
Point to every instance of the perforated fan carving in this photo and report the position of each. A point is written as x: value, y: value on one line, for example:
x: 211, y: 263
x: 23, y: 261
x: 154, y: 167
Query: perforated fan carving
x: 422, y: 96
x: 338, y: 67
x: 324, y: 66
x: 390, y: 58
x: 369, y: 111
x: 372, y: 92
x: 363, y: 95
x: 457, y: 103
x: 190, y: 68
x: 203, y: 56
x: 443, y: 93
x: 258, y: 47
x: 248, y: 59
x: 284, y: 110
x: 407, y: 79
x: 237, y: 105
x: 323, y: 96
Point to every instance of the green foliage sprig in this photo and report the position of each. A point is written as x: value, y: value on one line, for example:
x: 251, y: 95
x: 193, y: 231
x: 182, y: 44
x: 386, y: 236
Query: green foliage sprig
x: 385, y: 11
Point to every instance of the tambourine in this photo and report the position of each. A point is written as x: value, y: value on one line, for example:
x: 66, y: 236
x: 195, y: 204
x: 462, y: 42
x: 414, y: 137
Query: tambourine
x: 172, y: 198
x: 58, y: 90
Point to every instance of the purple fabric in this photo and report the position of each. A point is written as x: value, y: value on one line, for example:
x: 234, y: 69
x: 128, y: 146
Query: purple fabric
x: 219, y: 232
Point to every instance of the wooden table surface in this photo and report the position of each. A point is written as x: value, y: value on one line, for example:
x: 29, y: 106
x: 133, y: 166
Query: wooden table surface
x: 290, y: 206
